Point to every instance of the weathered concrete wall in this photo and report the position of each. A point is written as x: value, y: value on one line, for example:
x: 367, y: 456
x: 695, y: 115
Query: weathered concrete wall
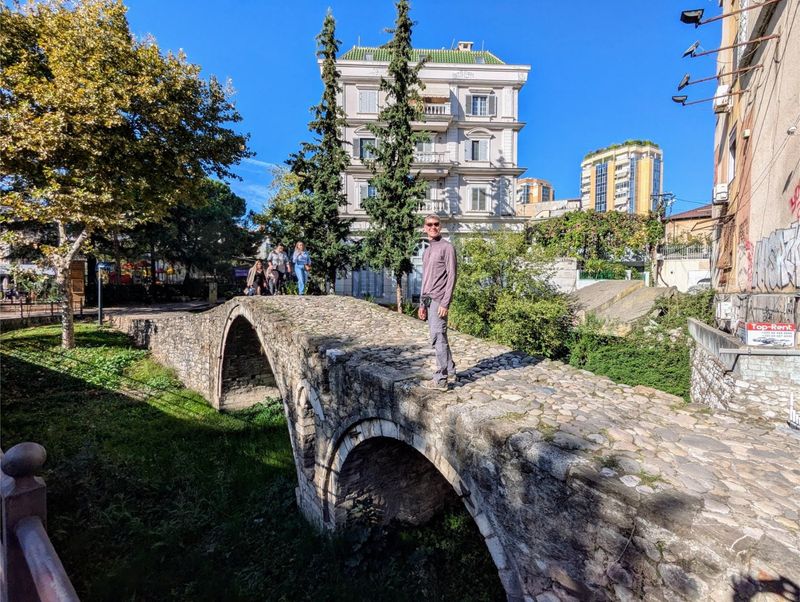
x: 760, y: 385
x: 780, y: 307
x: 580, y: 487
x: 684, y: 273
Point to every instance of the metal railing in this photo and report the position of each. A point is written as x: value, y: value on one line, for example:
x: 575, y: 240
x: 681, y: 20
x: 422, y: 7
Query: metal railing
x: 431, y: 157
x: 686, y: 252
x: 31, y: 569
x: 437, y: 109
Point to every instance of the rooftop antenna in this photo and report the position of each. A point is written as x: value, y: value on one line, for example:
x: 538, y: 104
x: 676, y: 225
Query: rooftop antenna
x: 359, y: 42
x: 453, y: 43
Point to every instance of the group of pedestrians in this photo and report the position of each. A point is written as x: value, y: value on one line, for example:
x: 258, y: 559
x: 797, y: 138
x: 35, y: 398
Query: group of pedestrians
x: 271, y: 280
x: 439, y: 273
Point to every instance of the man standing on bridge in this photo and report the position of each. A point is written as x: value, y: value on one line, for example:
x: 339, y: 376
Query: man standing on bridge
x: 438, y: 283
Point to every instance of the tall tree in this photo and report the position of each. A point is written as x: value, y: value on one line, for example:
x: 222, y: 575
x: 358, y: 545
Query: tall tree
x: 99, y: 130
x: 207, y: 233
x: 279, y: 221
x: 320, y: 165
x: 395, y: 222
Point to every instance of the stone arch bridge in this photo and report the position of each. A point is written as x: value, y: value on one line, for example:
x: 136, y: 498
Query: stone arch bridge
x: 582, y: 488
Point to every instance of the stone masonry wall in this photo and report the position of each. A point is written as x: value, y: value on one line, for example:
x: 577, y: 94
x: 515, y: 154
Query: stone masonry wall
x: 581, y: 487
x: 711, y: 384
x: 760, y: 385
x: 769, y: 381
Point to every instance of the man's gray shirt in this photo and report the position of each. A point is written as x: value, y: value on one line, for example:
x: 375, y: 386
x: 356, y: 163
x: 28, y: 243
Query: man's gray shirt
x: 439, y: 271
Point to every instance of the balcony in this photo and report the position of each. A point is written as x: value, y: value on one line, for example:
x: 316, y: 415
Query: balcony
x: 433, y: 163
x: 430, y: 206
x: 437, y: 110
x: 437, y: 117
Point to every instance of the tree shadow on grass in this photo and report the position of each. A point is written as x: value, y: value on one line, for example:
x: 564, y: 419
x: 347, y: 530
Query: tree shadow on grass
x: 166, y: 499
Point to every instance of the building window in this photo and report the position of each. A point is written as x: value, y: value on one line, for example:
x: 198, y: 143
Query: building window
x: 547, y: 194
x: 525, y: 197
x: 365, y: 191
x: 600, y: 181
x: 478, y: 150
x: 367, y: 282
x: 424, y: 146
x: 366, y: 148
x: 367, y: 101
x: 632, y: 184
x: 479, y: 196
x: 732, y: 156
x: 656, y: 182
x: 481, y: 105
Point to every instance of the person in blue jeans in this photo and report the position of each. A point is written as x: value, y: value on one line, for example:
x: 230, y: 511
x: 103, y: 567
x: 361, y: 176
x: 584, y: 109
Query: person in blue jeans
x: 302, y: 264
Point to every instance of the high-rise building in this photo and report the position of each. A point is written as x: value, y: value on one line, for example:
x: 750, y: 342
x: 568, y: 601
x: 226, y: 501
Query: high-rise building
x: 625, y: 177
x: 531, y: 191
x: 471, y: 115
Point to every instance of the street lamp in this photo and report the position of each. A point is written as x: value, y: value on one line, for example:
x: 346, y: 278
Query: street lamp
x: 686, y: 81
x: 695, y: 16
x: 101, y: 265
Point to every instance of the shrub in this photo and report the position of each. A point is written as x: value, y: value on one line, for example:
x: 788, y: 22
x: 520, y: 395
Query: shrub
x: 503, y: 293
x: 535, y: 326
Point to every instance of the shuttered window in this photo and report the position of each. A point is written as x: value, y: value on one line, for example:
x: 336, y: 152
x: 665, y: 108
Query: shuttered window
x: 367, y: 101
x: 364, y: 148
x: 481, y: 105
x: 477, y: 150
x: 364, y: 191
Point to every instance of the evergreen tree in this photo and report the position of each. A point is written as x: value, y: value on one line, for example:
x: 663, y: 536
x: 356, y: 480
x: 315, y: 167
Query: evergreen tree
x: 395, y: 228
x: 320, y: 165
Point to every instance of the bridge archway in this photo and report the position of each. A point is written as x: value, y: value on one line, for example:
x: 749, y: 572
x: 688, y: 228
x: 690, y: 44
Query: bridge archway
x: 381, y: 469
x: 246, y: 375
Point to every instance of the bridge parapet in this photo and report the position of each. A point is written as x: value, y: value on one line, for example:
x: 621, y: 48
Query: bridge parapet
x: 580, y: 486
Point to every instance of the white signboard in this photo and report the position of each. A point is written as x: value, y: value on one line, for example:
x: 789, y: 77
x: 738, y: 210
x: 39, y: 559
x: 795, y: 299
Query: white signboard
x: 765, y: 333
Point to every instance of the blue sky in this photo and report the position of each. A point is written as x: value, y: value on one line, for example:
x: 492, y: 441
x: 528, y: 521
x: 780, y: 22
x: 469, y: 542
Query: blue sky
x: 601, y: 72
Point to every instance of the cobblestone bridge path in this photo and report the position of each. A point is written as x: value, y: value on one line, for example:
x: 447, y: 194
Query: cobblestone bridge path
x: 580, y: 486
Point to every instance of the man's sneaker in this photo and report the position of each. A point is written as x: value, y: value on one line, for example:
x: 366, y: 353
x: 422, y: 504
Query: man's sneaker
x: 432, y: 384
x: 452, y: 377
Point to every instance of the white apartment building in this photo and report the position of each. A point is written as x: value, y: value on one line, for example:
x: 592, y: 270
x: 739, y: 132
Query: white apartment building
x: 471, y: 107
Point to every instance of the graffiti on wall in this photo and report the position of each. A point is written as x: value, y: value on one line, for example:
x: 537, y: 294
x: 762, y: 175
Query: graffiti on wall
x: 794, y: 201
x: 777, y: 260
x: 744, y: 264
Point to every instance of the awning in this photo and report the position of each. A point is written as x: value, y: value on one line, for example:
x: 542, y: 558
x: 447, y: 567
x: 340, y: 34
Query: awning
x: 436, y: 93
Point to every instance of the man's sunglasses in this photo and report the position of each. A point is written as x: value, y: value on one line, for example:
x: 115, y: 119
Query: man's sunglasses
x: 432, y: 225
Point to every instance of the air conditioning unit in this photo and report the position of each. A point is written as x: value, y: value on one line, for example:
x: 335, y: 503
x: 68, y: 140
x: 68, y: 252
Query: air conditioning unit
x: 720, y: 194
x: 722, y: 99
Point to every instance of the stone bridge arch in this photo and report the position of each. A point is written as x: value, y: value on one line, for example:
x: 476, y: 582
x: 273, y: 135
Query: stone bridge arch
x: 404, y: 476
x: 580, y: 486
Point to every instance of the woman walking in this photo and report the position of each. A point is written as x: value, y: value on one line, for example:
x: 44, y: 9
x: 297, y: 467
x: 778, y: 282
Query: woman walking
x: 256, y: 280
x: 302, y: 264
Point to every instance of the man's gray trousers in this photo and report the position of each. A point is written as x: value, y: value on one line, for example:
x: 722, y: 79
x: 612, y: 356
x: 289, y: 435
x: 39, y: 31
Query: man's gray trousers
x: 438, y: 329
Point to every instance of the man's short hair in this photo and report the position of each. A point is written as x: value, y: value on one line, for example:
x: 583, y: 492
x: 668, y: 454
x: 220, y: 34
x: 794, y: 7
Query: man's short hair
x: 432, y: 216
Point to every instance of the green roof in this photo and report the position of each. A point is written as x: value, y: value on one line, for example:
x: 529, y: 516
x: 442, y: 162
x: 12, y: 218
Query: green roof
x: 381, y: 55
x: 620, y: 145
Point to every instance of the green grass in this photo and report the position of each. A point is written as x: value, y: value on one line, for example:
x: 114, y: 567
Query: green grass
x: 651, y: 354
x: 153, y: 495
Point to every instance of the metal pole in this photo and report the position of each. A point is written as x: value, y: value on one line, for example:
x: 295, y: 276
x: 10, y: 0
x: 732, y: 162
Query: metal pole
x: 99, y: 297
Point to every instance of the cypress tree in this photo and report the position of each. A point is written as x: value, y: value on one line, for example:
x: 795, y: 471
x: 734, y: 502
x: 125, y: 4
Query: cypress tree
x: 395, y: 222
x: 319, y: 166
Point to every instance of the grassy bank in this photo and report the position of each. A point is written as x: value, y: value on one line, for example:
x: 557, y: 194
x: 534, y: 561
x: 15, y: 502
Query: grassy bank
x: 655, y: 353
x: 153, y: 495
